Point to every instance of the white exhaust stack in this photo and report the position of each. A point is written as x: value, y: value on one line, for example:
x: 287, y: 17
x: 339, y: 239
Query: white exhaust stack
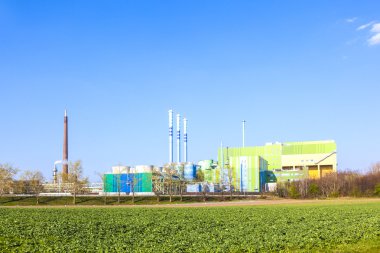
x: 243, y: 133
x: 178, y: 138
x: 170, y: 136
x: 185, y: 140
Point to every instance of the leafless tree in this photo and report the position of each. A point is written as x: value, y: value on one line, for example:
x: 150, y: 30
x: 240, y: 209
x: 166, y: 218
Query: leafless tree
x: 182, y: 187
x: 118, y: 186
x: 200, y: 178
x: 230, y: 178
x: 102, y: 177
x: 33, y: 183
x: 133, y: 182
x: 375, y: 168
x: 7, y: 172
x: 157, y: 186
x: 170, y: 173
x: 205, y: 189
x: 303, y: 188
x: 75, y: 180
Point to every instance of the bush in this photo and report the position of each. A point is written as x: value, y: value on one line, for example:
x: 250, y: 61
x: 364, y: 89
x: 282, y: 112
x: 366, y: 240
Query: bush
x: 314, y: 190
x: 293, y: 192
x: 355, y: 192
x: 377, y: 190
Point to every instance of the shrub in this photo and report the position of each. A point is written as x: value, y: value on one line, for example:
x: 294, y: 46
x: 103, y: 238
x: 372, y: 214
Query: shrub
x: 293, y: 192
x: 377, y: 190
x: 314, y: 190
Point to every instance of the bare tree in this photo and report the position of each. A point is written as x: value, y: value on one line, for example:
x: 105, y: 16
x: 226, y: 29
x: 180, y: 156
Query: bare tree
x: 102, y: 177
x: 7, y: 172
x: 303, y: 188
x: 182, y: 187
x: 200, y: 178
x: 205, y: 190
x: 75, y: 180
x: 157, y: 185
x: 222, y: 188
x: 118, y: 186
x: 230, y: 178
x: 33, y: 182
x: 169, y: 179
x: 375, y: 168
x: 134, y: 183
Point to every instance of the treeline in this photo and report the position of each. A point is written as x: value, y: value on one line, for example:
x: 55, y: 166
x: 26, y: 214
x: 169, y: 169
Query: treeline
x: 339, y: 184
x: 32, y: 182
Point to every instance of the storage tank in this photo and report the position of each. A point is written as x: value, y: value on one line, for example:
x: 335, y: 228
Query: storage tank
x: 211, y: 188
x: 144, y: 169
x: 120, y: 169
x: 190, y: 172
x: 193, y: 188
x: 206, y: 164
x: 179, y: 167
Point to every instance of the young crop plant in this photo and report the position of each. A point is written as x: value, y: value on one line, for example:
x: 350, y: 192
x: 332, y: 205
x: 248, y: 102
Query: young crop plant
x: 305, y: 228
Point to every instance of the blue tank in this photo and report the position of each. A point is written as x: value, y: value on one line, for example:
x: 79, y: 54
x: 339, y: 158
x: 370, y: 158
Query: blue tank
x: 190, y: 172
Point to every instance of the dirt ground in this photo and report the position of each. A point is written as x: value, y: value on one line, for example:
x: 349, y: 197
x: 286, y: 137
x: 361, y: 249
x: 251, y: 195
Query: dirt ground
x: 224, y: 203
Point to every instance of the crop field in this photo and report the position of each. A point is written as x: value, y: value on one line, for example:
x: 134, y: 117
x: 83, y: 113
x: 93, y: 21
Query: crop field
x: 288, y: 228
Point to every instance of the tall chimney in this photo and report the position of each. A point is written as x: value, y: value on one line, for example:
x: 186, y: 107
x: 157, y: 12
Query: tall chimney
x: 178, y: 138
x: 185, y: 140
x: 65, y: 166
x: 170, y: 136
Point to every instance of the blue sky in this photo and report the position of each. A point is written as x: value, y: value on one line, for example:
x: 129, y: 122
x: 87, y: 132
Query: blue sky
x: 294, y: 70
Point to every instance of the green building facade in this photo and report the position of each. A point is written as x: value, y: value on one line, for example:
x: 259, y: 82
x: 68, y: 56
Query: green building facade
x: 252, y: 167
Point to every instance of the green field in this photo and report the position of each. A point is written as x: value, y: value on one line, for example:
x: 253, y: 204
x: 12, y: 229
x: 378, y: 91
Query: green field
x: 314, y: 227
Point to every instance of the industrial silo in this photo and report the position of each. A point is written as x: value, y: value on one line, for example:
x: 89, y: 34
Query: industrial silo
x: 190, y: 172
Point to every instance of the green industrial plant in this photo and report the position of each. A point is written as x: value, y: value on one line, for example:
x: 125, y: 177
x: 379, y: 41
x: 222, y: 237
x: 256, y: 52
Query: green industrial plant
x: 243, y: 169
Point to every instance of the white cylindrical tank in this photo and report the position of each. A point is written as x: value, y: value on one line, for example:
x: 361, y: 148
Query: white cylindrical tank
x: 120, y: 169
x: 190, y: 172
x: 144, y: 169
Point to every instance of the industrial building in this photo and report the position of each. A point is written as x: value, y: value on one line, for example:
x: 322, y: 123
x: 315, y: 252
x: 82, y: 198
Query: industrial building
x: 244, y: 169
x: 253, y: 169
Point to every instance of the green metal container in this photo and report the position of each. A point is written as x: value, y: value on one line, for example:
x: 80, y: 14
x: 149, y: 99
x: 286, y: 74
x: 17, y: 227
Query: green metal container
x: 108, y: 181
x: 143, y: 182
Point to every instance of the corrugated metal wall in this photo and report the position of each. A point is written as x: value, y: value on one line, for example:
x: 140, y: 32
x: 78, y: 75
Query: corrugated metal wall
x: 271, y: 153
x: 300, y: 148
x: 142, y: 182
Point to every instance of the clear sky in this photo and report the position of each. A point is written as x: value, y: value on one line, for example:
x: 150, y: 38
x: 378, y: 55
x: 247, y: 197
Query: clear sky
x: 294, y: 70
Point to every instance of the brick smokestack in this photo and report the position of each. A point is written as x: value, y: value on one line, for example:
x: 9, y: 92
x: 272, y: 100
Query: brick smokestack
x: 65, y: 166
